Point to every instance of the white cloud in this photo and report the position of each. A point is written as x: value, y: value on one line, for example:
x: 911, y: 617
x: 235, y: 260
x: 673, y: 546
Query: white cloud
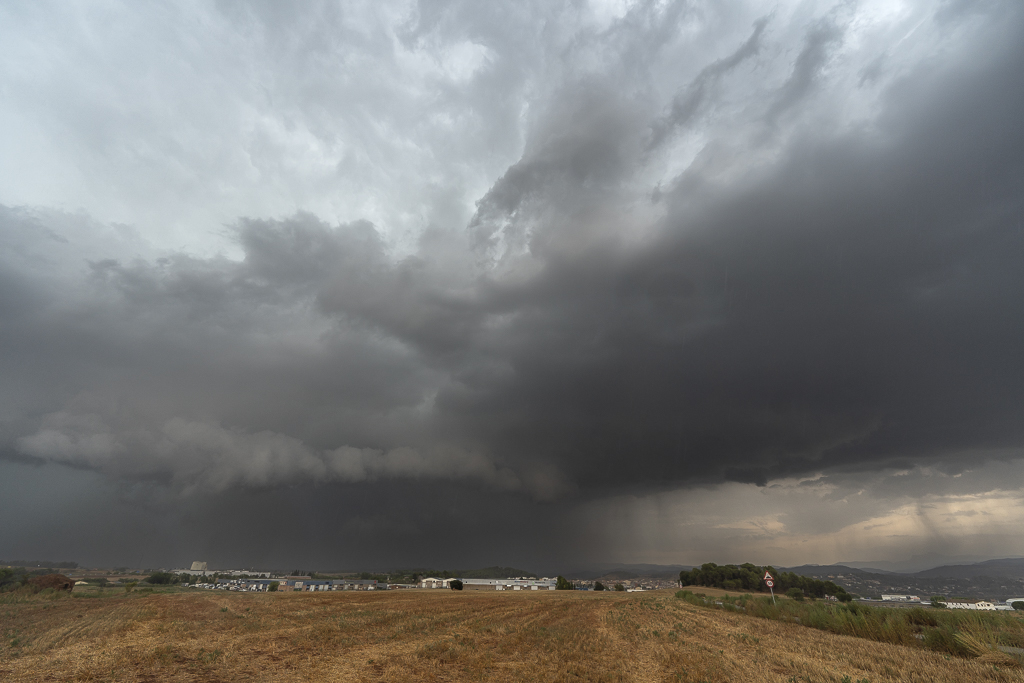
x: 920, y: 512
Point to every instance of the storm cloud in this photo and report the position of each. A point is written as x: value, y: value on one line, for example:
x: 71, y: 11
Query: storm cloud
x: 512, y: 262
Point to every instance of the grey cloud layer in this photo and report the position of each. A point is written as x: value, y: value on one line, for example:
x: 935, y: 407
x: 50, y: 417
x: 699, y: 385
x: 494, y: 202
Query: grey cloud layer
x: 735, y: 246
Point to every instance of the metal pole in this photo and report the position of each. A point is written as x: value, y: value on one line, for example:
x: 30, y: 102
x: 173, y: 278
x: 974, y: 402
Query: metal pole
x: 773, y: 594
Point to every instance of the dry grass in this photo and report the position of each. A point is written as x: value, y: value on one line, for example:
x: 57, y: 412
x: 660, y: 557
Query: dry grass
x: 439, y: 636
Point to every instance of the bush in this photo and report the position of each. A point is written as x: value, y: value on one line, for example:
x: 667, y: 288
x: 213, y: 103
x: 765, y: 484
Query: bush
x: 129, y: 586
x: 162, y: 579
x: 561, y: 584
x: 920, y: 617
x: 619, y: 587
x: 57, y: 582
x: 1018, y: 605
x: 455, y: 585
x: 795, y: 594
x: 274, y: 585
x: 598, y: 586
x: 938, y: 601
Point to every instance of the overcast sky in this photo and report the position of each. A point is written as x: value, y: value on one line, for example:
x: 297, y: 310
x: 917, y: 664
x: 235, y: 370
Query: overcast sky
x: 366, y: 285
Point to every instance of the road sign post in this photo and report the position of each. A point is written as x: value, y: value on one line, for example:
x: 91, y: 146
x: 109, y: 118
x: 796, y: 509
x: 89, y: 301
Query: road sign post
x: 770, y: 582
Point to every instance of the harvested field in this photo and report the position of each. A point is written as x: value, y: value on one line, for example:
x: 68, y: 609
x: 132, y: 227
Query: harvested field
x: 438, y: 636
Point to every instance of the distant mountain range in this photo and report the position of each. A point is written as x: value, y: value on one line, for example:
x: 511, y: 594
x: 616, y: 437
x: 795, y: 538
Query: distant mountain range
x: 1011, y: 567
x: 997, y: 579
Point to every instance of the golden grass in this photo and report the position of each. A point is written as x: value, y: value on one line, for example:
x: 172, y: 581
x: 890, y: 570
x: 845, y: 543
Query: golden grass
x: 439, y: 636
x: 718, y: 592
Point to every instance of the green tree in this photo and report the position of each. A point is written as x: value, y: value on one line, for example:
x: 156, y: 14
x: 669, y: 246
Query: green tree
x: 750, y: 577
x: 455, y: 585
x: 619, y: 587
x: 795, y: 594
x: 1017, y: 604
x: 274, y: 585
x: 598, y: 586
x: 561, y: 584
x: 938, y: 601
x: 162, y: 578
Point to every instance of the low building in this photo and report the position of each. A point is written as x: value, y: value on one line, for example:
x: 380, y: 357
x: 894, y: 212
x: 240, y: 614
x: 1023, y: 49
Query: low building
x: 431, y: 582
x: 331, y: 584
x: 509, y: 584
x: 981, y: 606
x: 901, y: 598
x: 356, y: 585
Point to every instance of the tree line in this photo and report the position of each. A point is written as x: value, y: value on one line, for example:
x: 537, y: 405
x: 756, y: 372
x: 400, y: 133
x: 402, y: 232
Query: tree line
x: 31, y: 564
x: 749, y: 577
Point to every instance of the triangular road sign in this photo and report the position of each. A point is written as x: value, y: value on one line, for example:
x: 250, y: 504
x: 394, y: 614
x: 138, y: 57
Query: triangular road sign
x: 768, y: 577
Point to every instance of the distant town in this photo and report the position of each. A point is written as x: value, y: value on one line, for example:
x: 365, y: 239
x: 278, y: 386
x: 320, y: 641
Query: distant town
x: 487, y: 579
x: 200, y: 575
x: 988, y: 586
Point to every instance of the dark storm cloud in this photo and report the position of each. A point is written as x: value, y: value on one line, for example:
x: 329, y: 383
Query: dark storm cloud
x: 856, y: 303
x: 828, y: 281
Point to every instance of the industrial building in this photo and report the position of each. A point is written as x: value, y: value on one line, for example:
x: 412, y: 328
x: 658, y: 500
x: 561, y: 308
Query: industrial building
x: 508, y: 584
x: 329, y: 585
x: 432, y: 582
x: 982, y: 605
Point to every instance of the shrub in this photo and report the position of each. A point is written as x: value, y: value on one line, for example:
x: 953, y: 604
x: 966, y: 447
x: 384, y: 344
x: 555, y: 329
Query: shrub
x: 129, y: 586
x: 795, y: 594
x: 51, y: 581
x: 920, y: 617
x: 1017, y: 604
x: 161, y: 579
x: 619, y: 587
x: 598, y: 586
x: 274, y: 585
x: 455, y: 585
x: 562, y: 584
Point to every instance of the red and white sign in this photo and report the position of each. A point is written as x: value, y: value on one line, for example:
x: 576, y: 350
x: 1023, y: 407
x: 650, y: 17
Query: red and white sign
x: 770, y: 583
x: 768, y: 577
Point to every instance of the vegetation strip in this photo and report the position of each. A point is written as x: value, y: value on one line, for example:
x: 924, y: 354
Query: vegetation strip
x: 963, y: 634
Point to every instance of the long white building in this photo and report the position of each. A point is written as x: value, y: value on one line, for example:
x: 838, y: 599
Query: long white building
x: 982, y: 605
x: 509, y: 584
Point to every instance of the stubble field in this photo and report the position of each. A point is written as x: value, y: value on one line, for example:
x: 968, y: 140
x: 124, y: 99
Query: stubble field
x: 438, y: 636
